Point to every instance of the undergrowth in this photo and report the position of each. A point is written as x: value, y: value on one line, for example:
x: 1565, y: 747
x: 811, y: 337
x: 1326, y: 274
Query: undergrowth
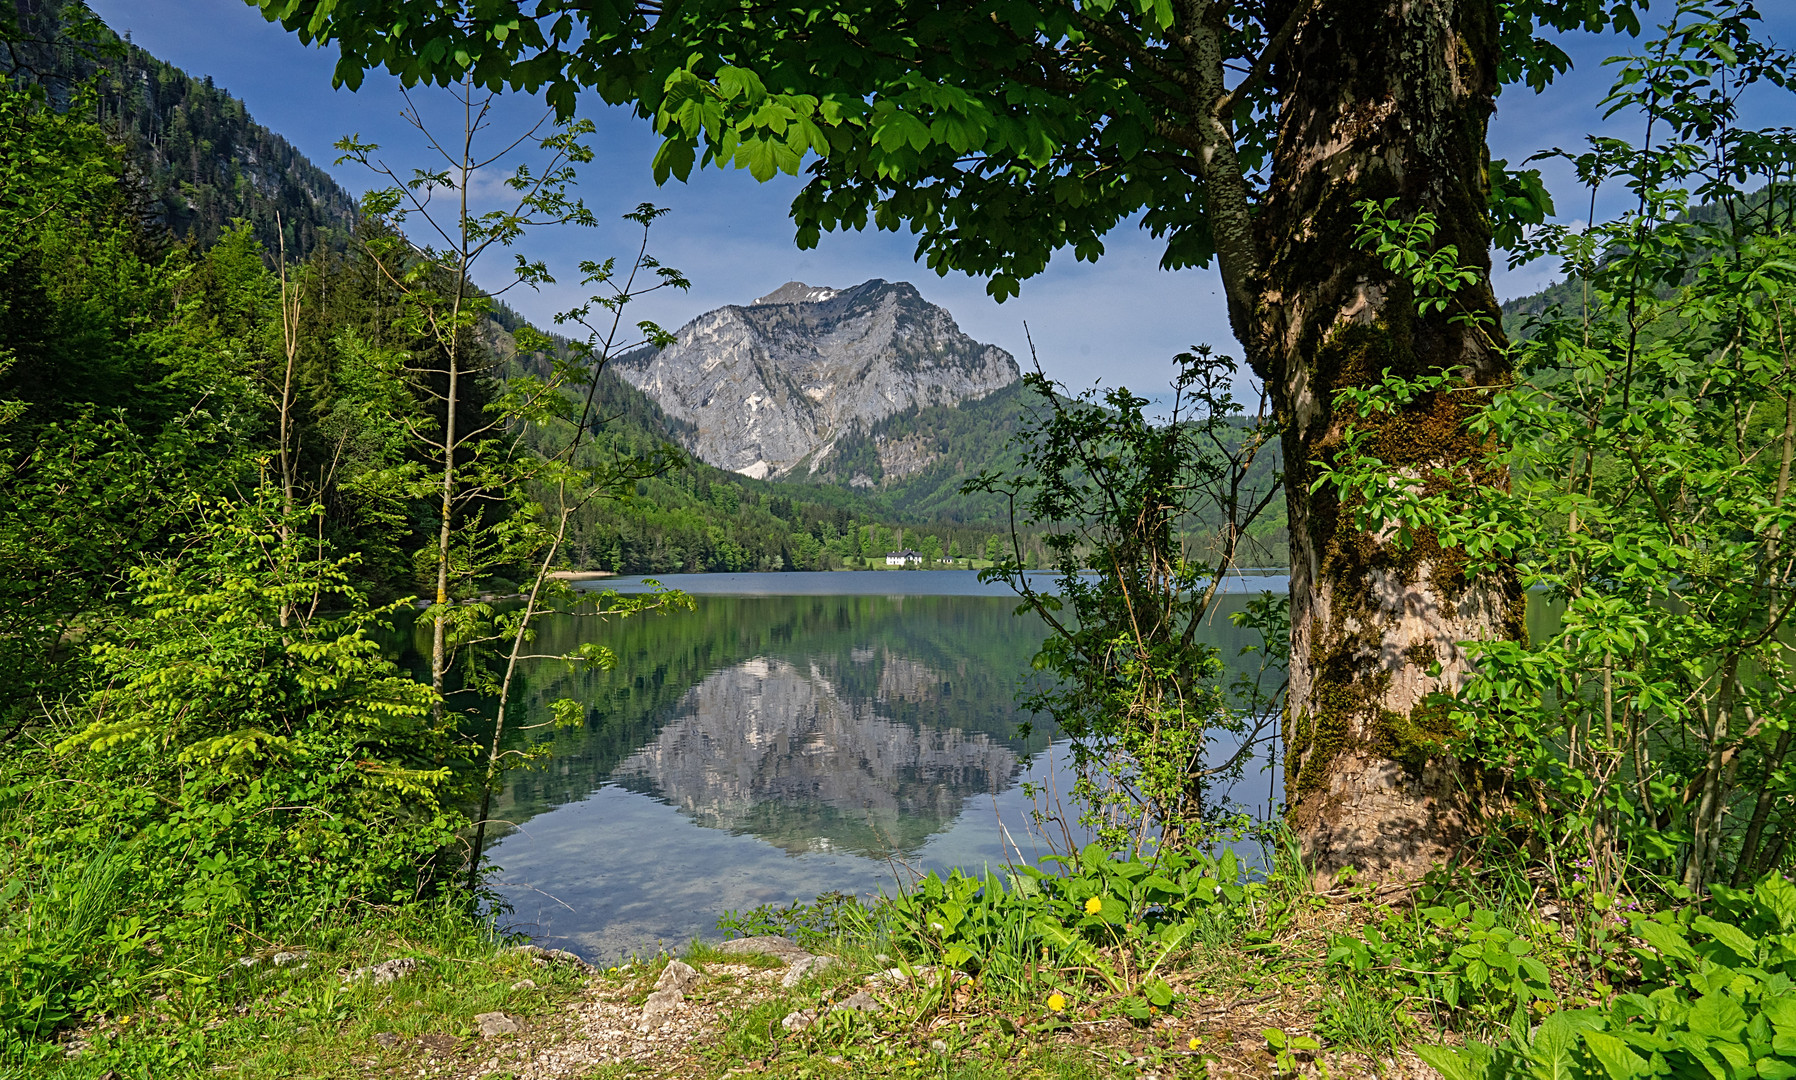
x: 1488, y: 975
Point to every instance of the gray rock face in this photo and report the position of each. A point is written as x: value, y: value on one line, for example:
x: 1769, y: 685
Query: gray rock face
x: 770, y: 387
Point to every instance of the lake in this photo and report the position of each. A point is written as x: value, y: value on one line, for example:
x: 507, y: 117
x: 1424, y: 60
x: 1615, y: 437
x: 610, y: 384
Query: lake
x: 795, y: 734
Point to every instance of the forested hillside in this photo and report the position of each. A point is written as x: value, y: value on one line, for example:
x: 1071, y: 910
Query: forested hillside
x: 194, y: 166
x: 201, y: 161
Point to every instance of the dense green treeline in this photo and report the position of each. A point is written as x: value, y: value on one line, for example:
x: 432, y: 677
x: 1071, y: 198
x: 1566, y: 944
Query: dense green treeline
x: 201, y: 730
x: 703, y: 519
x: 201, y: 161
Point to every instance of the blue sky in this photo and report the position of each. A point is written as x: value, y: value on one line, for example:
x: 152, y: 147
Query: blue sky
x: 1119, y: 320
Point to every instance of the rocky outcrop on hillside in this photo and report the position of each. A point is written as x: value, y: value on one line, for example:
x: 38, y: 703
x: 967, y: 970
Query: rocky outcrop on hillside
x: 771, y: 386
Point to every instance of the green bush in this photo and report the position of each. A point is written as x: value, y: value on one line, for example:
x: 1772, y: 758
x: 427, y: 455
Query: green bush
x: 243, y: 762
x: 1717, y: 999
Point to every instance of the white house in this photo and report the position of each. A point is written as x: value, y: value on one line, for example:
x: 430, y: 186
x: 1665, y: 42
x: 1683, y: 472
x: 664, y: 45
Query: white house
x: 907, y: 557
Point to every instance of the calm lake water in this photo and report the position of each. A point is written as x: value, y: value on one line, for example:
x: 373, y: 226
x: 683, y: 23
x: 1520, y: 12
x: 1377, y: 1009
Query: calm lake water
x: 796, y: 734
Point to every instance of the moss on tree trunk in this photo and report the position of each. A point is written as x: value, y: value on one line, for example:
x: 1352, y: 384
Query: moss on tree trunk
x: 1378, y: 104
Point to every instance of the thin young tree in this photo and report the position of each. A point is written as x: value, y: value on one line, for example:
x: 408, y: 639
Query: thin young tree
x: 446, y: 310
x: 566, y: 408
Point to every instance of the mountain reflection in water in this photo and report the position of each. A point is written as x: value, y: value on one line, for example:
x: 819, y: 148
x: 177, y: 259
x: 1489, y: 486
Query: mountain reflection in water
x: 763, y: 749
x: 775, y: 749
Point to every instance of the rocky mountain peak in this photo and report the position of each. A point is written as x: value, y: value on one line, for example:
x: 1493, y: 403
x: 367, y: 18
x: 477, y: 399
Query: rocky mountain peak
x: 771, y: 386
x: 797, y: 292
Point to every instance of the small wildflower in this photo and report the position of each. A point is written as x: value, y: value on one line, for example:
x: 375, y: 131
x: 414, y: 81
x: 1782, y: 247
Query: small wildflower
x: 1056, y: 1002
x: 1193, y: 1043
x: 1093, y: 906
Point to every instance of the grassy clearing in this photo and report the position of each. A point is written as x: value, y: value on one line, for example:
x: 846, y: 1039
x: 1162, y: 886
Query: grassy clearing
x: 1007, y: 980
x: 245, y: 1015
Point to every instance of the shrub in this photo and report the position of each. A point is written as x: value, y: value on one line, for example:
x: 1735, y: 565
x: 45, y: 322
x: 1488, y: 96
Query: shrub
x: 242, y: 761
x: 1717, y: 999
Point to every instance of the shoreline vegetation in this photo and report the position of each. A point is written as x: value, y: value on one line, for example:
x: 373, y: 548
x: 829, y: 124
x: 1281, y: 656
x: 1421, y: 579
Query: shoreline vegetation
x: 237, y: 838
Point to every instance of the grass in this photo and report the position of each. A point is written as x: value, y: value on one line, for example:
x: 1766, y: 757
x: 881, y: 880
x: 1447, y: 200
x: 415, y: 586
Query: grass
x: 303, y: 1018
x: 305, y: 1021
x: 1255, y: 966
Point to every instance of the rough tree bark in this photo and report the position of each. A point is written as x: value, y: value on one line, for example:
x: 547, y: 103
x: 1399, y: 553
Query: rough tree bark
x: 1378, y: 101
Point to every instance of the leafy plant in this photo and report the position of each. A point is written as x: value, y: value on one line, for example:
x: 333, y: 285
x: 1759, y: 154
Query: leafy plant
x: 1459, y: 956
x: 1285, y: 1048
x: 1114, y: 923
x: 1717, y: 998
x: 1142, y: 519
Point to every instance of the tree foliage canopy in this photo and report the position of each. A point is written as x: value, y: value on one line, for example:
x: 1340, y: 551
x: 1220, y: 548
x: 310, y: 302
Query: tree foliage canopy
x: 1001, y: 131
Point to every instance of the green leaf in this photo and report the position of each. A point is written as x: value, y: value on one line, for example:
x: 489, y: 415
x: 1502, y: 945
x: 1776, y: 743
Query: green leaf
x: 1717, y: 1016
x: 1775, y: 894
x: 1732, y: 936
x: 1473, y: 1061
x: 1666, y: 939
x: 1556, y: 1042
x: 1157, y: 992
x: 1618, y: 1062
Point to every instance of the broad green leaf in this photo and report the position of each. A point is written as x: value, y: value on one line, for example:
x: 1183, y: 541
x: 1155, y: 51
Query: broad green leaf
x: 1666, y: 939
x: 1717, y: 1016
x: 1777, y: 895
x: 1473, y: 1061
x: 1618, y: 1062
x: 1732, y: 936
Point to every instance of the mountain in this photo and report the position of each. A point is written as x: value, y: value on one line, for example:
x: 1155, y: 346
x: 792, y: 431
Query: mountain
x: 773, y: 387
x: 199, y: 158
x: 915, y: 461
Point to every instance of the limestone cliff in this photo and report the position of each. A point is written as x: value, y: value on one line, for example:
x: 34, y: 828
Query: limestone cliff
x: 770, y: 387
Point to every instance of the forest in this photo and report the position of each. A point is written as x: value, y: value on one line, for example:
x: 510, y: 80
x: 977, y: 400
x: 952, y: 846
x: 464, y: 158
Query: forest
x: 1528, y: 698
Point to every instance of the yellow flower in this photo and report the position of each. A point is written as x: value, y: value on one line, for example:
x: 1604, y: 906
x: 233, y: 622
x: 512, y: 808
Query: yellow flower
x: 1193, y: 1043
x: 1093, y: 906
x: 1056, y: 1002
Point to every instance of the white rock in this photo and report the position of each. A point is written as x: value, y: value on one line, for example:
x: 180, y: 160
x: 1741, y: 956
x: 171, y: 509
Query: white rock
x: 659, y: 1008
x: 386, y: 971
x: 798, y: 1020
x: 677, y: 975
x: 494, y: 1024
x: 859, y: 1002
x: 805, y: 968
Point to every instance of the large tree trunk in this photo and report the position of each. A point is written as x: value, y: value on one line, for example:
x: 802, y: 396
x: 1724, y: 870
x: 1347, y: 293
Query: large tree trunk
x: 1378, y: 101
